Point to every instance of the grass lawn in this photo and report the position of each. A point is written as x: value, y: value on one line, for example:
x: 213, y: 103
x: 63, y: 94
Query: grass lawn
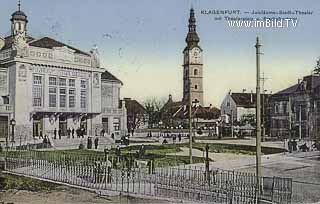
x: 237, y: 148
x: 156, y: 153
x: 23, y: 183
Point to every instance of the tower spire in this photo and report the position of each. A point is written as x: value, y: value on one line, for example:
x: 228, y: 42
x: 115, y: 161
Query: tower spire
x: 192, y: 38
x: 19, y: 5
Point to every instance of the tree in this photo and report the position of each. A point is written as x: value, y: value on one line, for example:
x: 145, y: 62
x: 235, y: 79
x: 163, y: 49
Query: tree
x: 317, y: 67
x: 153, y: 107
x: 136, y: 115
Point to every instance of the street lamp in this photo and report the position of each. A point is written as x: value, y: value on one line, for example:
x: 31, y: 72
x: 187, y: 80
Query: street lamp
x: 160, y: 126
x: 106, y: 151
x: 12, y: 123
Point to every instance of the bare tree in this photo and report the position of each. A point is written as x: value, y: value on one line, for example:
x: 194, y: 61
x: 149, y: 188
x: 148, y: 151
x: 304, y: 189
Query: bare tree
x: 153, y: 106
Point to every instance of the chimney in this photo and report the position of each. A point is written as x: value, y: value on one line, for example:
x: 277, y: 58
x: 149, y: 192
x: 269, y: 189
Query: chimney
x: 244, y: 90
x: 210, y: 106
x: 251, y: 97
x: 299, y: 80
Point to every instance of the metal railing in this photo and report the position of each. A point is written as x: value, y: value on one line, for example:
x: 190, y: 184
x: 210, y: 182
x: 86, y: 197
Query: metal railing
x: 181, y: 183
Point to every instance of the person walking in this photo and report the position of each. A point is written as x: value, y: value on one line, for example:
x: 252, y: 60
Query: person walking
x: 59, y: 134
x: 69, y: 133
x: 72, y: 133
x: 96, y: 141
x: 55, y: 133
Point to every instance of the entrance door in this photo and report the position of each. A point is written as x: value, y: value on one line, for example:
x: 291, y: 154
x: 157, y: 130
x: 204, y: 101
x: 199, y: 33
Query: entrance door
x: 83, y: 124
x: 37, y: 128
x: 105, y: 125
x: 3, y: 128
x: 63, y: 126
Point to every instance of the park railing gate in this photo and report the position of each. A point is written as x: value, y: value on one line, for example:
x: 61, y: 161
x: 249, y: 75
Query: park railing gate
x: 181, y: 183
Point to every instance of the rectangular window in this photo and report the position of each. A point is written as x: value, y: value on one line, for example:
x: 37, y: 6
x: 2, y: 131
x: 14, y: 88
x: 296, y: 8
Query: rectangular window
x: 83, y: 99
x: 62, y: 82
x: 83, y: 84
x: 52, y: 97
x: 72, y: 82
x: 52, y: 81
x: 72, y: 98
x: 63, y: 97
x: 37, y: 91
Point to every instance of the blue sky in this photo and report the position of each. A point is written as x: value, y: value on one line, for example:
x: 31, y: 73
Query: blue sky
x: 141, y: 42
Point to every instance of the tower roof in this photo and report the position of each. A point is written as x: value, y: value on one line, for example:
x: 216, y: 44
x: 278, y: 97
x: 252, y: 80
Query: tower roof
x: 192, y: 38
x: 19, y: 15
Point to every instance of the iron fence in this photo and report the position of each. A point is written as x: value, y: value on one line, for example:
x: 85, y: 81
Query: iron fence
x: 194, y: 184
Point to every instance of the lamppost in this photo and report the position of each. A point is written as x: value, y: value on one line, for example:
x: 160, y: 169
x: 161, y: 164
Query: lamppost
x: 160, y: 126
x: 106, y: 150
x: 12, y: 123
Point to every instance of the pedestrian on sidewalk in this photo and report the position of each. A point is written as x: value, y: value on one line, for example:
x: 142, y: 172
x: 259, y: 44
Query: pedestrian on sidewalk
x: 72, y: 133
x: 55, y: 133
x: 96, y: 141
x: 89, y: 143
x: 69, y: 133
x: 59, y: 134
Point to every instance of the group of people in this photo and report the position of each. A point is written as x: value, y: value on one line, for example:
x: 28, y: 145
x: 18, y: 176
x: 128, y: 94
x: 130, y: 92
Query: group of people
x: 293, y: 146
x: 80, y: 132
x: 89, y: 143
x: 174, y: 138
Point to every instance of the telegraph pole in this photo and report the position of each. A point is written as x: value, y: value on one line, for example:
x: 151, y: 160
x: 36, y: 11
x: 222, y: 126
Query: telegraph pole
x: 258, y: 118
x: 290, y: 122
x: 190, y: 123
x: 263, y: 79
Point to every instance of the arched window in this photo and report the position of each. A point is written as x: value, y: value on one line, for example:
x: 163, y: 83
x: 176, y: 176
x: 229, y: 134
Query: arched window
x: 195, y: 86
x: 195, y: 72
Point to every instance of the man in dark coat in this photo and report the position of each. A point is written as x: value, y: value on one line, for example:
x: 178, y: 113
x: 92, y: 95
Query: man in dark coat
x: 69, y: 133
x: 72, y: 132
x: 59, y: 134
x: 96, y: 141
x: 55, y: 133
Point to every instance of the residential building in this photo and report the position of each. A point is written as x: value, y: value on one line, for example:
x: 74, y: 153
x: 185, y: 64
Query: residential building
x: 296, y: 108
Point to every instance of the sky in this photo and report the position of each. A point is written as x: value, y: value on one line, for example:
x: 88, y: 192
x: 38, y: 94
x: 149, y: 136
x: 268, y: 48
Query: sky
x: 141, y: 42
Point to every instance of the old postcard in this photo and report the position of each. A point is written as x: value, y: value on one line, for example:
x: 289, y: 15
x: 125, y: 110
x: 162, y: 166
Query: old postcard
x: 148, y: 101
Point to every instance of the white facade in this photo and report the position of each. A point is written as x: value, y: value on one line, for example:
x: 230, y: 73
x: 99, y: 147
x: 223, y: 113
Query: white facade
x: 46, y: 86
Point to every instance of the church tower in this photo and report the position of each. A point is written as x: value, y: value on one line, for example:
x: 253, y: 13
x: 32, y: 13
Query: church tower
x: 192, y: 64
x: 19, y: 22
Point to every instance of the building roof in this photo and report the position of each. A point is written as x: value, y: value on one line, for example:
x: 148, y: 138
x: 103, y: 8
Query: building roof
x: 310, y: 82
x: 246, y: 100
x: 180, y: 109
x: 134, y: 107
x: 45, y: 42
x: 110, y: 77
x: 19, y: 15
x: 289, y: 90
x: 50, y: 43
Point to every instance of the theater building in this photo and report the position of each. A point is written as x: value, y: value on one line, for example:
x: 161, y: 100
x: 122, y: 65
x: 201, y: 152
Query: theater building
x: 46, y: 85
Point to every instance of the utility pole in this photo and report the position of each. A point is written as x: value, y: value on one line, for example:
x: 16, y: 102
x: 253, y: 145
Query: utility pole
x: 258, y: 119
x: 300, y: 128
x: 290, y: 122
x: 231, y: 123
x: 190, y: 123
x: 263, y: 79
